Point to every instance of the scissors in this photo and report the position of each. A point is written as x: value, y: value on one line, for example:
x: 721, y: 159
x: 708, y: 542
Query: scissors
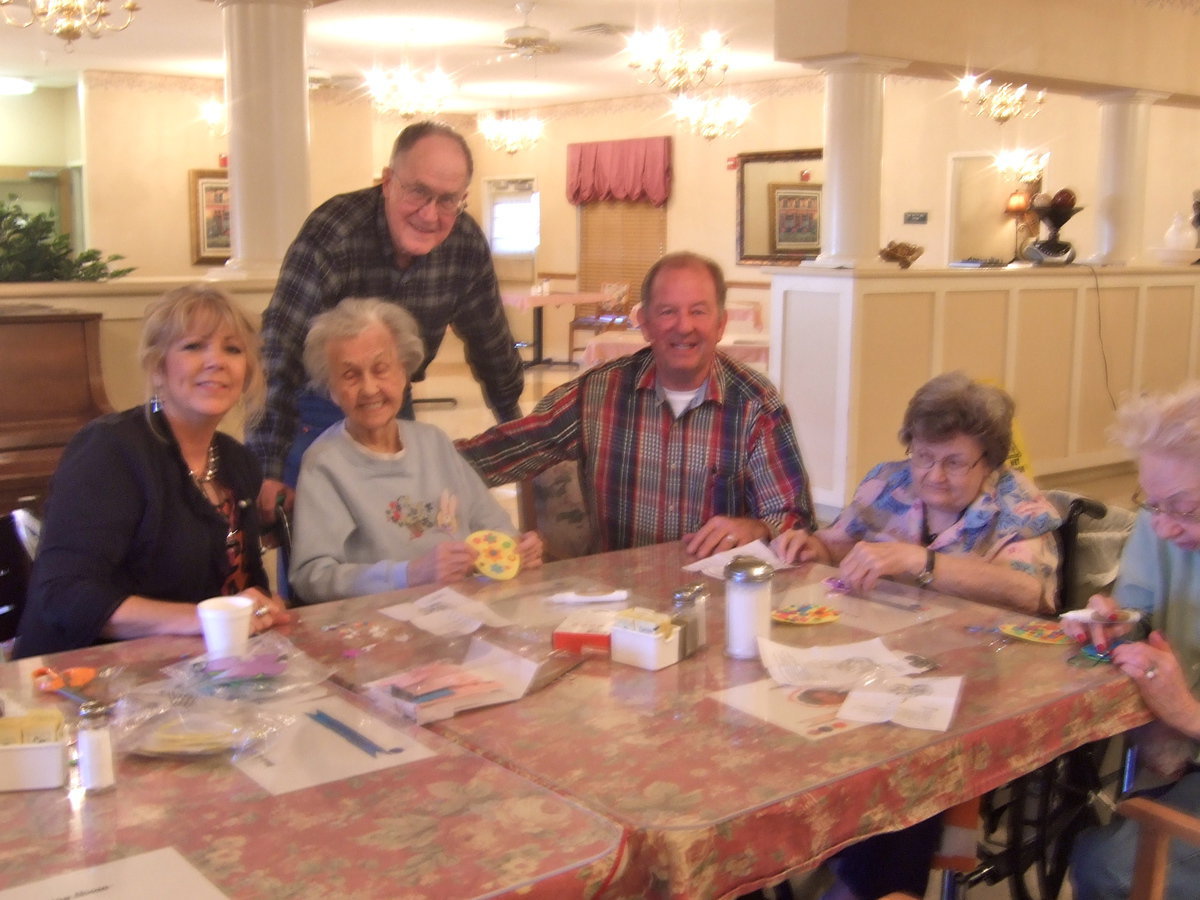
x: 64, y: 682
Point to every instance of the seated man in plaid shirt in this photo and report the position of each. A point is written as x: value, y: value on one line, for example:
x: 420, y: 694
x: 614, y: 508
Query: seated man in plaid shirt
x: 676, y: 441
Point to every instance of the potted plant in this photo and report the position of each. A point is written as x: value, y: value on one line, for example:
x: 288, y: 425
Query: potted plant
x: 33, y: 249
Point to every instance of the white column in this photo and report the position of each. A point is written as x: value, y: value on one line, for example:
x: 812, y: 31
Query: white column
x: 853, y: 159
x: 1121, y: 185
x: 266, y: 92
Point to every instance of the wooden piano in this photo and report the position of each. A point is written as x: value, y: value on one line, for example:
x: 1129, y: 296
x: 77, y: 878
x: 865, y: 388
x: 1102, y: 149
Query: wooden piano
x: 50, y: 387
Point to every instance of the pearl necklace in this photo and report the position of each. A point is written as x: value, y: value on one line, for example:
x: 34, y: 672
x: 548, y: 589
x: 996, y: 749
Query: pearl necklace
x: 210, y: 467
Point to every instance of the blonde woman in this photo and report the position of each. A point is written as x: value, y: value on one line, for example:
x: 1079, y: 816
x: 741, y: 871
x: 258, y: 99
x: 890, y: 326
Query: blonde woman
x: 152, y: 510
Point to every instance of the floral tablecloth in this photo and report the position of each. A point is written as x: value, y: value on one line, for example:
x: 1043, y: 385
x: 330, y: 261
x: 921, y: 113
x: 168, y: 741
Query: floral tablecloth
x: 714, y: 801
x: 451, y: 825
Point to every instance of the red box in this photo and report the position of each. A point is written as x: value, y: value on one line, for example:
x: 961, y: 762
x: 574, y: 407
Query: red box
x: 586, y: 631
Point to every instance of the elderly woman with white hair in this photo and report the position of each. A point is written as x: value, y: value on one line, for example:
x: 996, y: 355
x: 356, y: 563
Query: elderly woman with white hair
x: 1159, y: 577
x: 382, y: 503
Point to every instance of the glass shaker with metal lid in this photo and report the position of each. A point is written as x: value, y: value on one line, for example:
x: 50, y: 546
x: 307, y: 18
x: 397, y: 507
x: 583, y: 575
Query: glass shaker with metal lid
x: 747, y: 605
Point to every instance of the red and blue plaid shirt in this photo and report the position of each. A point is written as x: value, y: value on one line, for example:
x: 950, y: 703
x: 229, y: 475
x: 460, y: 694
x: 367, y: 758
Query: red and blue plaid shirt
x: 650, y: 476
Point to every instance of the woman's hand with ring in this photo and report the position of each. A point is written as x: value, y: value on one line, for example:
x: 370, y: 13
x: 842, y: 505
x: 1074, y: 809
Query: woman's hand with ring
x: 269, y: 611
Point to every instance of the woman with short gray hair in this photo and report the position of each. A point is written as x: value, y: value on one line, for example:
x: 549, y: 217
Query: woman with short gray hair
x: 1160, y: 578
x: 952, y: 516
x: 382, y: 503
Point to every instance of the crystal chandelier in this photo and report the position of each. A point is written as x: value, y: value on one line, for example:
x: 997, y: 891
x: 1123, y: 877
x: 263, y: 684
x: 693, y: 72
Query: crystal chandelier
x: 1000, y: 102
x: 510, y: 134
x: 69, y: 19
x: 1022, y: 165
x: 713, y: 117
x: 407, y: 92
x: 661, y: 57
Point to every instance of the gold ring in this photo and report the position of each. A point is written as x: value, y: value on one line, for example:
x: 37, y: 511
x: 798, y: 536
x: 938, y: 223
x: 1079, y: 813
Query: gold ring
x: 262, y: 611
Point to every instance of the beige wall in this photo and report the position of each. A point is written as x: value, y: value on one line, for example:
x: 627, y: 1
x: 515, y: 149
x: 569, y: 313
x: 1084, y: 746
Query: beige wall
x: 40, y: 129
x: 141, y: 134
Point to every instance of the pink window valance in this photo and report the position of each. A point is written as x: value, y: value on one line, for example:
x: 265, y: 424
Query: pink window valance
x: 636, y: 169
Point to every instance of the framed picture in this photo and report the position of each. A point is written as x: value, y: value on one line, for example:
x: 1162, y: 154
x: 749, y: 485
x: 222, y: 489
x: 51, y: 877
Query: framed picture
x: 208, y: 202
x: 795, y: 218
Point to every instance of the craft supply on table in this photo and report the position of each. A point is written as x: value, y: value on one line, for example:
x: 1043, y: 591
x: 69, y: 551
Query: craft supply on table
x: 357, y: 738
x: 806, y: 614
x: 747, y: 605
x: 1036, y: 632
x: 66, y: 682
x: 586, y: 631
x: 1096, y: 617
x: 498, y: 556
x: 620, y: 595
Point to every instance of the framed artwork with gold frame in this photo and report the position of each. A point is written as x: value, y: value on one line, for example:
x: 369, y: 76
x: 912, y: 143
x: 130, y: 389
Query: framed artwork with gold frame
x: 208, y: 203
x: 795, y: 218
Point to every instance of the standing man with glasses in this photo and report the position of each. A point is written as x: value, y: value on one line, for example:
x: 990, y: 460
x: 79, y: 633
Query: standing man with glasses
x: 408, y: 241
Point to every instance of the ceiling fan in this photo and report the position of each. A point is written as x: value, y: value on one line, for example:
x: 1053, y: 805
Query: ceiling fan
x: 528, y: 40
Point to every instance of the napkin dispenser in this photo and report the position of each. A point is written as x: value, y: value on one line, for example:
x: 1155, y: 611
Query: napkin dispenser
x: 646, y: 639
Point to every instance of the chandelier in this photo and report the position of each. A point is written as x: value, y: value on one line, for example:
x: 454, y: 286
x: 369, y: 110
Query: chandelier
x: 1000, y: 102
x: 508, y: 133
x: 407, y: 92
x: 1022, y: 165
x: 661, y: 57
x: 713, y: 117
x: 69, y: 19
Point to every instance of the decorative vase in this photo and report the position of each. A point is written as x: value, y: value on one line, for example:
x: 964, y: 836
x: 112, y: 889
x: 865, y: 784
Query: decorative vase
x: 1181, y: 235
x: 1052, y: 251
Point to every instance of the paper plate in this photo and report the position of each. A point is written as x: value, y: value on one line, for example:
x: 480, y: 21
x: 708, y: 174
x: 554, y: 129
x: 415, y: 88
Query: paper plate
x: 498, y: 557
x: 805, y: 614
x: 1036, y: 632
x: 184, y: 734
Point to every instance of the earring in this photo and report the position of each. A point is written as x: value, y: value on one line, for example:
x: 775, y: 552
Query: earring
x: 155, y: 403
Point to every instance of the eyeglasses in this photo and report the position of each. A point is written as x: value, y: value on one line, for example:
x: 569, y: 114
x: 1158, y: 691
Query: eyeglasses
x: 951, y: 465
x: 1139, y: 500
x: 419, y: 196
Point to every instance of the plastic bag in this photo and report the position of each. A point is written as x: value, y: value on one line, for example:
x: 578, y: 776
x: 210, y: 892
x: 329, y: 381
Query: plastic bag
x: 272, y: 667
x: 160, y: 719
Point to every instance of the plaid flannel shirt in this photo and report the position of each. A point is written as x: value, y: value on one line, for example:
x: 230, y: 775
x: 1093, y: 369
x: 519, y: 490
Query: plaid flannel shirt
x: 652, y: 477
x: 344, y: 249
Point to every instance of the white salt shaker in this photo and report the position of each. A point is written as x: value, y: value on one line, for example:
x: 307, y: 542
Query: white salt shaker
x: 94, y: 745
x: 747, y: 605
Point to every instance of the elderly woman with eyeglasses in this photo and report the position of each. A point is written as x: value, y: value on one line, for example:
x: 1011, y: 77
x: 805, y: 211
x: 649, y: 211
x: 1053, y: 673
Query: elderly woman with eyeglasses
x: 1159, y: 577
x: 952, y: 516
x: 382, y: 503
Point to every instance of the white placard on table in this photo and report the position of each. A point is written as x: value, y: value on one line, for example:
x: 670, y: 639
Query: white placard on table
x: 140, y: 877
x: 307, y: 753
x: 927, y: 703
x: 809, y: 712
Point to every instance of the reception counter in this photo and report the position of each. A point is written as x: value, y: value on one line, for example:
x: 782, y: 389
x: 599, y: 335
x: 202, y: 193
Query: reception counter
x: 849, y: 347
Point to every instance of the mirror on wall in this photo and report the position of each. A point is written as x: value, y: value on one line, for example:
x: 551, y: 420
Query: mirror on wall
x: 980, y: 225
x: 779, y: 206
